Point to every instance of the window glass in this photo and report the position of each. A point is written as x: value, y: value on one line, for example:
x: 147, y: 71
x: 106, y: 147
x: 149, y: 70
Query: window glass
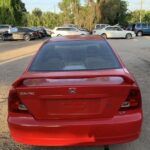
x: 117, y: 29
x: 98, y: 26
x: 144, y: 25
x: 75, y: 55
x: 138, y: 25
x: 73, y: 29
x: 109, y: 28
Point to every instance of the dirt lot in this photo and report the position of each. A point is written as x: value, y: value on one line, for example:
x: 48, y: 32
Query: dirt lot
x: 136, y: 55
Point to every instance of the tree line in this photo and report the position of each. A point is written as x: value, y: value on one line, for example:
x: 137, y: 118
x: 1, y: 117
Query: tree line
x: 72, y: 12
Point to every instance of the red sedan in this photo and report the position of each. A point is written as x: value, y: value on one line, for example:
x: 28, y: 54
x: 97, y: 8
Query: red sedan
x: 76, y: 91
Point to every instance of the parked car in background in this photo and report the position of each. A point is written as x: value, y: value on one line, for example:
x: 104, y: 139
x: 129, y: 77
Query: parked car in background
x: 62, y: 31
x: 4, y: 29
x: 48, y: 31
x: 99, y: 27
x: 77, y: 92
x: 141, y: 29
x: 20, y: 33
x: 41, y: 31
x: 114, y: 32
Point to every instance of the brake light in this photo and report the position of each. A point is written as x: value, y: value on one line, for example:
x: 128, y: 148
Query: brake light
x: 133, y: 100
x: 14, y: 103
x: 73, y: 81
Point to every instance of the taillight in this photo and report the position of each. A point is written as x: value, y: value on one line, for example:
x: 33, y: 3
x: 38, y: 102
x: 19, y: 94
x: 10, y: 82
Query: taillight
x: 14, y: 103
x: 133, y: 100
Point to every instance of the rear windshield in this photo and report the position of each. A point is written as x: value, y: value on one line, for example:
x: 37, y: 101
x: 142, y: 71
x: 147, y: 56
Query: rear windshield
x: 75, y: 56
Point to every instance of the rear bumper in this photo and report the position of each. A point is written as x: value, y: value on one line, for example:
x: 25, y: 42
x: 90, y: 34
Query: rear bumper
x: 120, y: 129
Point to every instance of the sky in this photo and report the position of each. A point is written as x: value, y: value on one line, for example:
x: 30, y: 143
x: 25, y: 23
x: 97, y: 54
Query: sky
x: 52, y: 5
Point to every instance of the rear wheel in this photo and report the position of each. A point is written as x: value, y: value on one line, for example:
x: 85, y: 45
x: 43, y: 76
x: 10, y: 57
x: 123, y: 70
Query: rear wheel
x: 139, y: 33
x: 40, y: 35
x: 27, y: 38
x: 59, y: 35
x: 128, y: 36
x: 104, y: 36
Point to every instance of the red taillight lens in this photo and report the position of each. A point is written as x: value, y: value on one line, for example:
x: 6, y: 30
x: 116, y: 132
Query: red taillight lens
x: 133, y: 100
x: 14, y: 103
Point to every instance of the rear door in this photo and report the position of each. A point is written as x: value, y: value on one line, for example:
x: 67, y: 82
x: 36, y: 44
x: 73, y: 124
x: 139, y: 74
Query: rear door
x: 19, y: 34
x: 148, y: 28
x: 118, y: 32
x: 74, y: 31
x: 110, y: 32
x: 60, y: 31
x: 145, y: 28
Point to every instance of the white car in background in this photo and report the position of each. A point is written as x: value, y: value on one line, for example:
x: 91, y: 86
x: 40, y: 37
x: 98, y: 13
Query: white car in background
x: 114, y: 32
x: 62, y: 31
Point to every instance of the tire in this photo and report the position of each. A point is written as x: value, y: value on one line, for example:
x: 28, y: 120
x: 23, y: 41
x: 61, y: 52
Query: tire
x: 27, y: 37
x: 104, y: 36
x: 59, y: 35
x: 40, y: 36
x: 128, y: 36
x: 139, y: 33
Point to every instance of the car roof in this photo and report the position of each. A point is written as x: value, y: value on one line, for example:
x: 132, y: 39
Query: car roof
x: 112, y: 26
x: 76, y: 38
x: 65, y: 27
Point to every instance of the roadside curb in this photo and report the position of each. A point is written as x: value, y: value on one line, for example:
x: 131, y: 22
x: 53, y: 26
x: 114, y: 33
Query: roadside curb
x: 16, y: 58
x: 20, y: 52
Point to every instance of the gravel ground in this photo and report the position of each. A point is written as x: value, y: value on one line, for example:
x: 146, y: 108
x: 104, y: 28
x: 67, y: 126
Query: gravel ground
x: 135, y: 54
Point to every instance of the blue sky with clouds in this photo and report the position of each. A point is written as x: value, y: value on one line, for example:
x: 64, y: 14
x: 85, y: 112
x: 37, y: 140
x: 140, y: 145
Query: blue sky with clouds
x: 52, y: 5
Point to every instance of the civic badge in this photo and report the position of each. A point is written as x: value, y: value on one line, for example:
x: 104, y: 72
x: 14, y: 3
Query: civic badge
x: 72, y: 91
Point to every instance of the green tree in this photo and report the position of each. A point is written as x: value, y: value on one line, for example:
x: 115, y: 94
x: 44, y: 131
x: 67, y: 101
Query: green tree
x: 69, y: 10
x: 12, y: 11
x: 37, y: 12
x: 133, y: 17
x: 113, y: 11
x: 35, y: 18
x: 146, y: 17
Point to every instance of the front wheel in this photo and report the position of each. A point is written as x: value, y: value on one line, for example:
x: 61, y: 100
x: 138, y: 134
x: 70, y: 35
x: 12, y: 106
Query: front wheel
x: 128, y: 36
x: 27, y: 38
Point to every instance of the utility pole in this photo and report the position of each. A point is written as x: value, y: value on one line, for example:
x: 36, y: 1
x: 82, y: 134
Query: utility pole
x: 141, y: 7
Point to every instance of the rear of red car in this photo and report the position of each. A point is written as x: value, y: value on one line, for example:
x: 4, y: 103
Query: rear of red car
x: 75, y: 92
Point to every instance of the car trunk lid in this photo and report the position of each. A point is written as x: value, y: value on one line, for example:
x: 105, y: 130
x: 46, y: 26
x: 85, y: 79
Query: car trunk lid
x: 74, y: 97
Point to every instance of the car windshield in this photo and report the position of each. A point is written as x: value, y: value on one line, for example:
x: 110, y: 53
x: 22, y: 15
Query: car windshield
x: 75, y: 55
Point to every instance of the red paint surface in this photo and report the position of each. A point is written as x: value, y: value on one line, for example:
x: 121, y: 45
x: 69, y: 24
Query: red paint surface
x: 90, y: 116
